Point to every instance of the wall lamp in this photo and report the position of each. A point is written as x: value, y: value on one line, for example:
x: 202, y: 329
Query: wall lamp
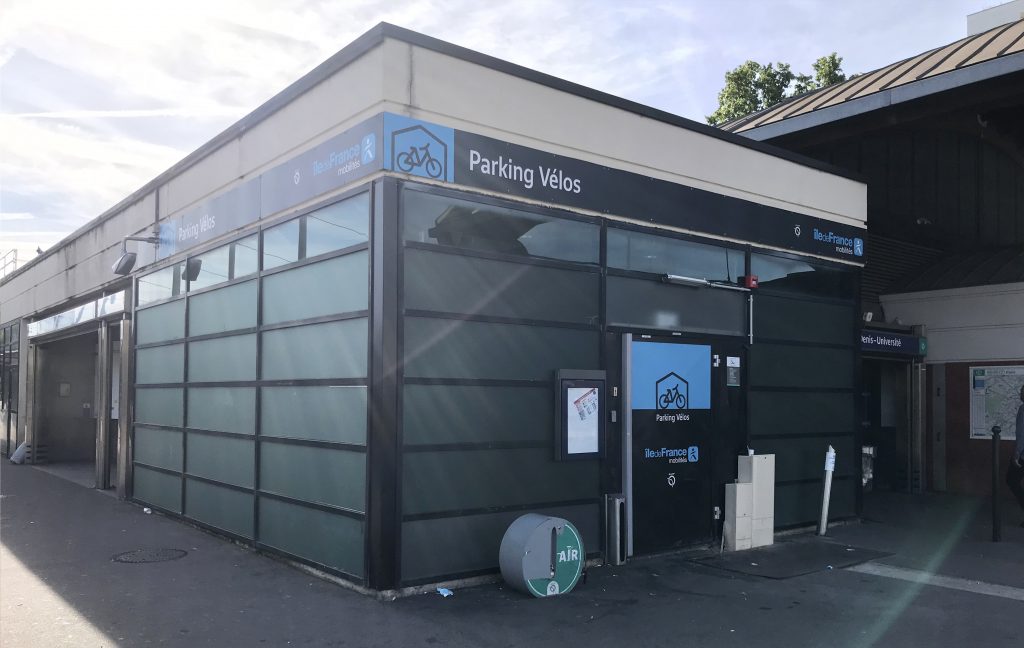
x: 126, y: 261
x: 680, y: 280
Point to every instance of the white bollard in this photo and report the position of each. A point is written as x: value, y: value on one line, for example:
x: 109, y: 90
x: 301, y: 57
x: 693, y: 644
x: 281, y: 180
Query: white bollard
x: 830, y: 466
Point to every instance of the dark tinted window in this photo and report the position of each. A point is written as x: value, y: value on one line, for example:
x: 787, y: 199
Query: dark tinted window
x: 663, y: 255
x: 795, y: 276
x: 488, y: 228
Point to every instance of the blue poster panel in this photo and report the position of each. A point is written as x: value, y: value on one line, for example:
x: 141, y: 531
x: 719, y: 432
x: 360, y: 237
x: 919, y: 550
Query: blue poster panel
x: 669, y: 376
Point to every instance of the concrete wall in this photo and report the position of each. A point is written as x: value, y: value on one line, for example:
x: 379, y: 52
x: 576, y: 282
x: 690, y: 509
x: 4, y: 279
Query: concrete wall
x: 405, y: 79
x: 966, y: 324
x: 969, y: 461
x: 1001, y: 14
x: 474, y: 98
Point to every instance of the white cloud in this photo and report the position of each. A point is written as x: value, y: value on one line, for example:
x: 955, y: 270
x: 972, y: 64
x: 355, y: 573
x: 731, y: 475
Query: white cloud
x: 129, y: 87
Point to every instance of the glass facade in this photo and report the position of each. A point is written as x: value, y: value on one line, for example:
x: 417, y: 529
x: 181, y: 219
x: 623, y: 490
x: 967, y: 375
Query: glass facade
x: 10, y: 338
x: 250, y: 406
x: 804, y: 360
x: 256, y: 373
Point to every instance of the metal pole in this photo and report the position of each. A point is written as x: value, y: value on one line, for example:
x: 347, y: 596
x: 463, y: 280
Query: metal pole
x: 997, y: 531
x: 830, y: 466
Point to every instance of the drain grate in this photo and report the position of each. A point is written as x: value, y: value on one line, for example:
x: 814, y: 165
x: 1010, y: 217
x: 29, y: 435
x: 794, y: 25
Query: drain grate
x: 149, y: 555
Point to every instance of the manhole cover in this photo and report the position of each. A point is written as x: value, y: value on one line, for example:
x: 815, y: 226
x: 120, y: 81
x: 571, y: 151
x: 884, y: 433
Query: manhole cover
x: 149, y: 555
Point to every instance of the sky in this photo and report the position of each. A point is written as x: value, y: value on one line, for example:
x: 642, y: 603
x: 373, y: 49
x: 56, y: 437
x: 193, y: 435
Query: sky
x: 99, y: 97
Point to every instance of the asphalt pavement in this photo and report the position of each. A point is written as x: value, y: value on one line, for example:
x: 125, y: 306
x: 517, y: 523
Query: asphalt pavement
x: 941, y: 582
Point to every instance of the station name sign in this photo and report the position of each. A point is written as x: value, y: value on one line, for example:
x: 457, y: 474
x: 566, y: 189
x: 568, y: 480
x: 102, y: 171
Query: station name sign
x: 390, y: 142
x: 893, y: 343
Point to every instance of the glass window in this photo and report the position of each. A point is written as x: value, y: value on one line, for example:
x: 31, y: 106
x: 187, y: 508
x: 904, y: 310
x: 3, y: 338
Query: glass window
x: 329, y: 413
x: 158, y: 406
x: 227, y: 309
x: 326, y: 538
x: 161, y: 284
x: 209, y: 269
x: 663, y: 255
x: 227, y: 459
x: 338, y: 226
x: 795, y: 276
x: 157, y: 488
x: 332, y: 350
x: 457, y: 283
x: 655, y: 305
x: 222, y: 409
x: 323, y: 475
x: 281, y: 244
x: 156, y: 447
x: 338, y: 285
x: 442, y: 348
x: 163, y: 364
x: 159, y: 323
x: 222, y: 359
x: 488, y: 228
x: 246, y: 261
x: 221, y: 507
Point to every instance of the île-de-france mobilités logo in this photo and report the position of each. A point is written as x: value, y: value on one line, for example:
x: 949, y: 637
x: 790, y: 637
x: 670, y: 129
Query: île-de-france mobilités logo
x: 419, y: 148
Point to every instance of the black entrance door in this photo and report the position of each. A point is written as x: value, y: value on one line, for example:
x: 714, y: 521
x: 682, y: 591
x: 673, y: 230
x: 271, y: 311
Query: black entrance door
x: 687, y: 425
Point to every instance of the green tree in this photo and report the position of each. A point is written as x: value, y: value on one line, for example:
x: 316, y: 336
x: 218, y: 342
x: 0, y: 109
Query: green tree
x: 751, y: 86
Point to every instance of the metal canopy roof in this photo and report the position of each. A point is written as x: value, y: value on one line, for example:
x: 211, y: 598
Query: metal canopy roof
x: 992, y: 53
x: 984, y: 268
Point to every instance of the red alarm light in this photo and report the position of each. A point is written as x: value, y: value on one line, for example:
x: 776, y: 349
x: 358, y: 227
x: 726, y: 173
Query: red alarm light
x: 750, y: 281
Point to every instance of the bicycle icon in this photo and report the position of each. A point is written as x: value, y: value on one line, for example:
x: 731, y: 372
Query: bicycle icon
x: 417, y: 157
x: 672, y: 392
x: 672, y: 399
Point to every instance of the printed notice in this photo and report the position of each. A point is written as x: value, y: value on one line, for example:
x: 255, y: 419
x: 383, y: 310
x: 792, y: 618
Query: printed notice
x: 584, y: 419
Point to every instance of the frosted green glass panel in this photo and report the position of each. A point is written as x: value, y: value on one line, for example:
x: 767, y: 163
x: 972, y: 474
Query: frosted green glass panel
x: 157, y: 447
x: 462, y: 284
x: 157, y: 488
x: 329, y: 413
x: 444, y: 348
x: 322, y: 475
x: 226, y: 309
x: 222, y: 359
x: 476, y: 479
x: 326, y: 538
x: 226, y: 459
x: 453, y: 414
x: 220, y: 507
x: 329, y: 287
x: 165, y: 364
x: 224, y: 409
x: 159, y: 406
x: 332, y: 350
x: 159, y: 323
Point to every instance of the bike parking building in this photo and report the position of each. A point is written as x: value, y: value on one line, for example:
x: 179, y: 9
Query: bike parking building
x: 423, y: 291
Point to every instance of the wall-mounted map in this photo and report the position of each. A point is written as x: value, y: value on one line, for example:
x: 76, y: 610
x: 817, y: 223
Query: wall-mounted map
x: 995, y: 397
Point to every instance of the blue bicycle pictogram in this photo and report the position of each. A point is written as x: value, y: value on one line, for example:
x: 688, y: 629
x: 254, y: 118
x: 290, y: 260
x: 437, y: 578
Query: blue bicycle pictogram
x: 417, y: 157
